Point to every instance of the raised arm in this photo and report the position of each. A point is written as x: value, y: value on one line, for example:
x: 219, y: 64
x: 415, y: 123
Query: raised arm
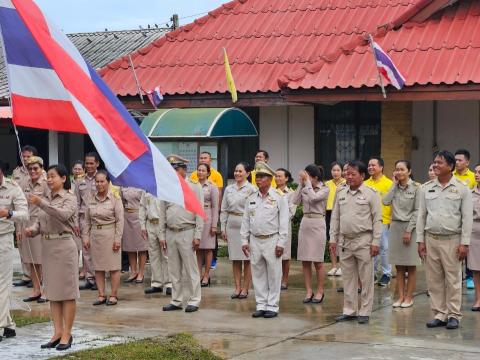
x: 62, y: 212
x: 388, y: 198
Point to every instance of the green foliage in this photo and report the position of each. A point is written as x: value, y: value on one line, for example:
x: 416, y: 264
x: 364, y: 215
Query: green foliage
x: 24, y: 320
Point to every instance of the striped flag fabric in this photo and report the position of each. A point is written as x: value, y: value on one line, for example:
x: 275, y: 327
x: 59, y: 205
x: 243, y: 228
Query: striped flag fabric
x: 387, y: 68
x: 228, y: 74
x: 52, y: 87
x: 155, y: 96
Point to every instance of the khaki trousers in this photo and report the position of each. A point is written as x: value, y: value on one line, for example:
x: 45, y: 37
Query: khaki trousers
x: 6, y: 276
x: 183, y: 268
x: 86, y: 255
x: 444, y: 276
x: 356, y: 263
x: 266, y: 273
x: 158, y: 259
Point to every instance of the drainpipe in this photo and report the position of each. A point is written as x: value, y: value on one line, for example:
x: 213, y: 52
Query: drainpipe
x: 435, y: 126
x: 288, y: 138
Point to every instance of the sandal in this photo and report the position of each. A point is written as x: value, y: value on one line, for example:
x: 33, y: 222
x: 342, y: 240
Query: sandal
x: 205, y: 284
x: 243, y: 296
x: 100, y: 302
x: 111, y: 303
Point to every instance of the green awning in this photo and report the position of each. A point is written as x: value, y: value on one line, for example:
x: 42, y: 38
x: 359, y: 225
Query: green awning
x: 198, y: 123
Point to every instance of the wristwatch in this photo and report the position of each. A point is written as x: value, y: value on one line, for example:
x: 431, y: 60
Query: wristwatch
x: 10, y: 214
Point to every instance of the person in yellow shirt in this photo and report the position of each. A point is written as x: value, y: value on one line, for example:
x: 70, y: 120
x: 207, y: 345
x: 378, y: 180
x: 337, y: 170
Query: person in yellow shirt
x: 466, y: 176
x: 215, y: 177
x: 261, y: 156
x: 336, y: 181
x: 382, y: 185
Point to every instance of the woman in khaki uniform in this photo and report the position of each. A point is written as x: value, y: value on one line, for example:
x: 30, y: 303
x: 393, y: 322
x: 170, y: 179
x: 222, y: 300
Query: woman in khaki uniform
x: 209, y: 234
x: 283, y: 177
x: 233, y: 206
x: 133, y: 242
x: 32, y: 247
x: 312, y: 236
x: 104, y: 224
x: 402, y: 248
x: 59, y: 253
x: 473, y: 258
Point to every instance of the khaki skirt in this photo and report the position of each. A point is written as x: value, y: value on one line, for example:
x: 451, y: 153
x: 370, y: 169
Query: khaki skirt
x: 207, y: 242
x: 234, y: 240
x: 60, y: 269
x: 101, y: 249
x: 399, y: 253
x: 473, y: 259
x: 312, y: 239
x: 132, y: 240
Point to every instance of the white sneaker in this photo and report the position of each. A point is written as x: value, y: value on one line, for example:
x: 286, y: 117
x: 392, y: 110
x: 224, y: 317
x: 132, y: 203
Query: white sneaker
x: 338, y: 272
x: 407, y: 305
x: 332, y: 272
x: 397, y: 304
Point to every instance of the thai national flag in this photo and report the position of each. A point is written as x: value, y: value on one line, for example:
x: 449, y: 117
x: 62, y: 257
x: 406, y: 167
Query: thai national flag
x: 52, y: 87
x: 155, y: 96
x: 387, y: 68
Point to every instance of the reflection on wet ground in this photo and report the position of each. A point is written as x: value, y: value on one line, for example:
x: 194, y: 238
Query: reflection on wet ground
x: 226, y: 327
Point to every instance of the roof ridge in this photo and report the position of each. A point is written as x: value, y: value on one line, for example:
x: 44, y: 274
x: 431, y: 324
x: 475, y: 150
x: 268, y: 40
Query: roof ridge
x: 117, y: 31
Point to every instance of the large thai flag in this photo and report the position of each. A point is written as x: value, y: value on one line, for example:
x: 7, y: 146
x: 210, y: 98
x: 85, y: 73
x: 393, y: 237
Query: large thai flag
x: 387, y: 68
x: 52, y: 87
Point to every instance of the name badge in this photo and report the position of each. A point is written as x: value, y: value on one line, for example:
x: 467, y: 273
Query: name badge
x: 431, y: 190
x: 252, y: 202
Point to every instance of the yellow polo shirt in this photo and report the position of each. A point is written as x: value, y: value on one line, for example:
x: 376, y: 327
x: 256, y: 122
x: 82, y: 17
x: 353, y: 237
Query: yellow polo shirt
x: 215, y: 177
x: 468, y: 178
x: 382, y: 186
x: 333, y: 190
x: 253, y: 174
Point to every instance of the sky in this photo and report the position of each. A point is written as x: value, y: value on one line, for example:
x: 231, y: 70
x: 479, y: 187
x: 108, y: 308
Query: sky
x: 97, y: 15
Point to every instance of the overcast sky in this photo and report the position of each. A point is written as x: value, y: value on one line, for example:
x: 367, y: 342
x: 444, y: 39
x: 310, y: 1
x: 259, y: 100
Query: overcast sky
x: 96, y: 15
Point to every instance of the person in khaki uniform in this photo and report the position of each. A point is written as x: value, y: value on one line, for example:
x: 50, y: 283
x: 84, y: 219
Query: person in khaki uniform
x: 102, y: 235
x: 264, y: 234
x: 13, y: 207
x: 149, y: 215
x: 444, y: 227
x: 180, y: 233
x: 356, y: 226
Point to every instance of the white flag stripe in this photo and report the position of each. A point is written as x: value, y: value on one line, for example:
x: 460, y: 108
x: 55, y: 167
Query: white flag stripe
x: 6, y: 4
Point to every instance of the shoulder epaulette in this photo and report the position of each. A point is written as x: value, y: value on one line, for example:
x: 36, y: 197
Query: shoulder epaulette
x: 193, y: 181
x: 280, y: 192
x: 428, y: 182
x: 417, y: 184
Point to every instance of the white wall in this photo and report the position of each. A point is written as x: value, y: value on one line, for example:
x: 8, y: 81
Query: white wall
x: 458, y: 126
x: 287, y: 133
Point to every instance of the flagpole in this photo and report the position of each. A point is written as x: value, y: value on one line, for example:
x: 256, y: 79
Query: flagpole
x: 136, y: 79
x: 370, y: 38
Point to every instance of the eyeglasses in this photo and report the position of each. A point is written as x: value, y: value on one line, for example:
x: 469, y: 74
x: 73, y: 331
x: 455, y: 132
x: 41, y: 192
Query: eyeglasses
x: 34, y: 168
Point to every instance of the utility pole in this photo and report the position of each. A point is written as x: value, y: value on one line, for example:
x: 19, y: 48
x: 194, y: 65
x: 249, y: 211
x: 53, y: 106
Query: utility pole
x: 175, y: 22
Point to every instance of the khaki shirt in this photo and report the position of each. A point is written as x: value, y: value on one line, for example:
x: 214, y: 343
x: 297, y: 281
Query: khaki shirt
x: 150, y: 209
x: 59, y: 214
x: 176, y: 217
x: 104, y: 212
x: 314, y: 200
x: 404, y: 202
x: 12, y: 198
x: 84, y: 189
x: 445, y: 211
x: 354, y: 213
x: 233, y: 201
x: 292, y: 207
x: 20, y: 176
x: 131, y: 197
x: 266, y: 215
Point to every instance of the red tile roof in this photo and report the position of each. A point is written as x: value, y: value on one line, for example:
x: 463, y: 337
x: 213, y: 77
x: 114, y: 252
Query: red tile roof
x: 307, y: 44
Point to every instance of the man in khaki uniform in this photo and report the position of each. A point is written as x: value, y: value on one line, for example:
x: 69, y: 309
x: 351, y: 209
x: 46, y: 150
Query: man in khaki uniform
x: 84, y: 188
x: 356, y: 226
x: 149, y: 215
x: 264, y: 234
x: 444, y: 226
x: 13, y: 207
x: 180, y: 233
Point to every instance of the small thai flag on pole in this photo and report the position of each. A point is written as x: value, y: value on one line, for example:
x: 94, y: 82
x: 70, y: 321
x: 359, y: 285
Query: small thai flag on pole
x: 155, y: 96
x: 386, y: 68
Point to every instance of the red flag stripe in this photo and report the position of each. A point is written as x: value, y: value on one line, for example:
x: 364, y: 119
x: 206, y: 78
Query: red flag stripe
x: 192, y: 204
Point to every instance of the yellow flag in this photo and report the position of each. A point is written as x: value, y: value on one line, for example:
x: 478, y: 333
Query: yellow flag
x: 228, y: 74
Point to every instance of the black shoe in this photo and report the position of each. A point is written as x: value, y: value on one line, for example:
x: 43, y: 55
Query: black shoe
x: 94, y: 287
x: 270, y: 314
x: 9, y: 333
x: 452, y: 323
x: 340, y: 289
x: 50, y: 344
x: 168, y: 291
x: 475, y: 308
x: 42, y: 300
x: 171, y: 307
x: 153, y: 290
x: 191, y: 308
x: 363, y: 319
x: 32, y: 298
x: 61, y: 347
x: 436, y: 323
x: 87, y: 285
x: 100, y: 302
x: 344, y: 317
x: 318, y: 301
x: 308, y: 299
x: 384, y: 280
x: 258, y: 313
x: 29, y: 285
x: 21, y: 282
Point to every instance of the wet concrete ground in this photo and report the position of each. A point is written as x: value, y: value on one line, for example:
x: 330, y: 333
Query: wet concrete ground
x: 300, y: 332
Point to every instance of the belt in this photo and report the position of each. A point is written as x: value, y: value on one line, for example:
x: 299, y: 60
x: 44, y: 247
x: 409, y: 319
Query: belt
x: 314, y: 215
x: 104, y: 226
x: 438, y: 236
x: 354, y: 236
x: 62, y: 235
x: 263, y: 237
x: 154, y: 221
x: 181, y: 229
x: 234, y: 213
x: 131, y: 210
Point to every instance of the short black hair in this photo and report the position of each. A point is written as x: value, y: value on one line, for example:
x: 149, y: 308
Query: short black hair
x: 78, y: 162
x: 94, y: 155
x: 206, y: 152
x: 103, y: 172
x: 265, y: 153
x: 287, y: 173
x: 379, y: 159
x: 448, y: 156
x: 62, y: 171
x: 315, y: 171
x: 31, y: 149
x: 359, y: 165
x: 463, y: 152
